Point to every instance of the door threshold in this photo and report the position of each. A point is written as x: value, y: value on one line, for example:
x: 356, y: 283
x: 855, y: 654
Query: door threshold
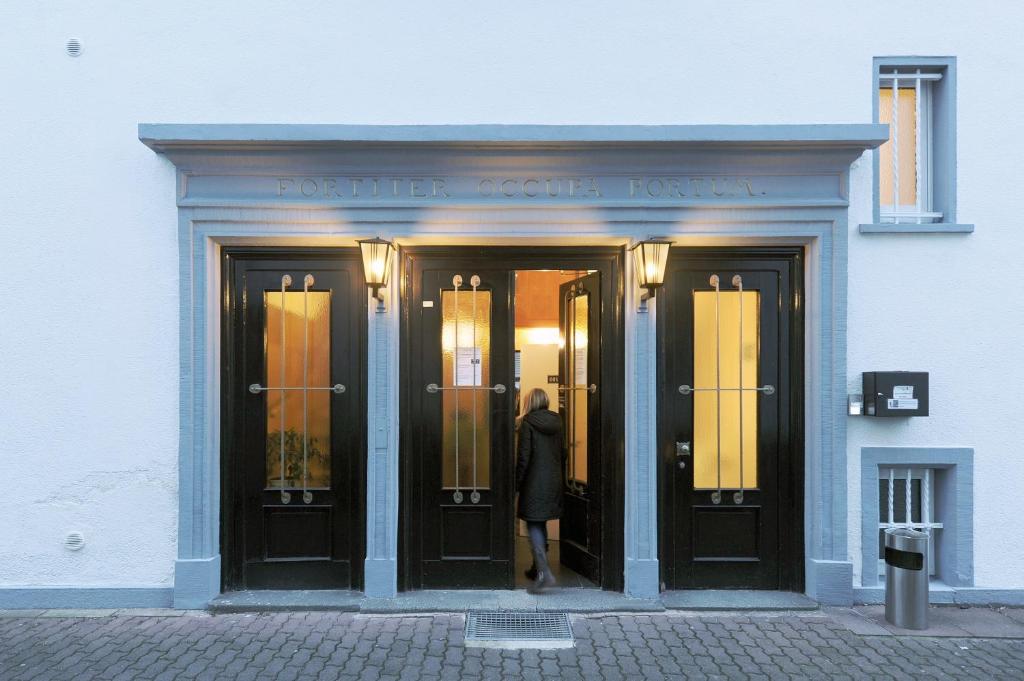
x: 573, y: 600
x: 284, y: 600
x: 736, y: 599
x: 570, y: 600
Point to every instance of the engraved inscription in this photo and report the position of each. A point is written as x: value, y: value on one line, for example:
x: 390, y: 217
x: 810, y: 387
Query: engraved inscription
x: 525, y: 188
x: 691, y: 187
x: 363, y: 187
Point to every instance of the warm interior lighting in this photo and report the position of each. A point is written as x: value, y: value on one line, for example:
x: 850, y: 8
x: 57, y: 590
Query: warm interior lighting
x: 650, y: 258
x: 541, y: 335
x: 377, y: 256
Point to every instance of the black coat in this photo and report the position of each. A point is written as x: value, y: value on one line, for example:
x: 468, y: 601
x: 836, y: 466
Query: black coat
x: 540, y: 462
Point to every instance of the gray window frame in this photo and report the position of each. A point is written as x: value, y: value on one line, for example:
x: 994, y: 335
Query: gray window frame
x: 954, y: 486
x: 942, y: 161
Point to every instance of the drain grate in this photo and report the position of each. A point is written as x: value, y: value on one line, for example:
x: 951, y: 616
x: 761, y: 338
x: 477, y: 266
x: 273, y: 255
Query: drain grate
x: 518, y: 630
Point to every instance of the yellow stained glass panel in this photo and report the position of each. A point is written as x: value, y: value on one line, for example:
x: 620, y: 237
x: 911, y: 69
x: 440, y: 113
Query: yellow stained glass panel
x: 706, y: 402
x: 318, y: 424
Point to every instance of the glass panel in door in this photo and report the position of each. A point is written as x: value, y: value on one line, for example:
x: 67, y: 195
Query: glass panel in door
x: 466, y: 367
x: 295, y: 331
x: 724, y: 429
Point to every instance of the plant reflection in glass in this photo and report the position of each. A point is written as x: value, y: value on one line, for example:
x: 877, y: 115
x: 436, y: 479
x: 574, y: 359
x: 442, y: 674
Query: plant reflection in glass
x: 318, y: 459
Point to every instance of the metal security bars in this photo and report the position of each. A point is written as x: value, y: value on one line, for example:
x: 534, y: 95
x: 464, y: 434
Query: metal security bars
x: 907, y: 136
x: 718, y: 389
x: 916, y: 484
x: 457, y: 385
x: 256, y: 388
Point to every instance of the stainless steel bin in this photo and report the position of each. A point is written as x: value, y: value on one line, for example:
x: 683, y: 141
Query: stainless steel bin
x: 906, y: 578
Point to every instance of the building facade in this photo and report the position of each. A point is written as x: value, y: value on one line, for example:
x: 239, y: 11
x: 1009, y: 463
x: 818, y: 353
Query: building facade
x: 710, y: 238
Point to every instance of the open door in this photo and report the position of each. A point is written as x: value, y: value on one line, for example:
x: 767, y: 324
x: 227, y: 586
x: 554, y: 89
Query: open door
x: 579, y: 401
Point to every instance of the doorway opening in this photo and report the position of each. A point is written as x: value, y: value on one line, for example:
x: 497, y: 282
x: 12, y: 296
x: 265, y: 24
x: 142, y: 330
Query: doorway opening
x: 551, y: 345
x: 481, y: 326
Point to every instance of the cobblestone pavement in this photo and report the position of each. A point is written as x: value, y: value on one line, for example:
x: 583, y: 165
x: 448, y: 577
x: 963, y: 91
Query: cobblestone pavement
x: 320, y: 645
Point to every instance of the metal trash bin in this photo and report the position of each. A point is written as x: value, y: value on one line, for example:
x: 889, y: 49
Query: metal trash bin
x: 906, y: 578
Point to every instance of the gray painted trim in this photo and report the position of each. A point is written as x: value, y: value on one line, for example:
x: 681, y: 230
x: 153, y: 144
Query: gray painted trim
x: 955, y: 559
x: 160, y: 136
x: 196, y: 580
x: 830, y: 582
x: 940, y: 594
x: 911, y: 228
x: 642, y: 569
x: 35, y: 597
x: 944, y: 153
x: 381, y: 565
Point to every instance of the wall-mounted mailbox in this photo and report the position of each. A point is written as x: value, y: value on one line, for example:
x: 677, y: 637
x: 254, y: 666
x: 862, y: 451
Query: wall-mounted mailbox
x: 896, y: 393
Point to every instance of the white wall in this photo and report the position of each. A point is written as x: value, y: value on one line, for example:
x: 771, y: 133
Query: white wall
x: 89, y: 322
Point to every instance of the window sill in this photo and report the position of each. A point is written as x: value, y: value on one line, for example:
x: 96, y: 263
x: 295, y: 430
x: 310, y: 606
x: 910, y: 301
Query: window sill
x: 914, y: 228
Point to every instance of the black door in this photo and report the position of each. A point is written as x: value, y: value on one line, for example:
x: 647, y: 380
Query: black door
x: 294, y: 330
x: 456, y: 519
x: 730, y: 331
x: 580, y: 406
x: 462, y: 410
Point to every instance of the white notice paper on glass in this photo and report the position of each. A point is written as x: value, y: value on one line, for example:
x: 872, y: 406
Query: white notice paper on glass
x: 467, y: 367
x: 581, y: 366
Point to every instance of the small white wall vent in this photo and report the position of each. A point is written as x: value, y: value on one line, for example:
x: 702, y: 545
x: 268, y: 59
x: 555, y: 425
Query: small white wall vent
x: 74, y: 541
x: 74, y: 47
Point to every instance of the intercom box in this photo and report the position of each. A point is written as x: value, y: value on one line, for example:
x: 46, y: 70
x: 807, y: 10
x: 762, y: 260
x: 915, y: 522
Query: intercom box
x: 896, y: 393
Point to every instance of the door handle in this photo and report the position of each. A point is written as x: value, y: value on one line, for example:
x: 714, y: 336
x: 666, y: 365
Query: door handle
x: 592, y: 388
x: 682, y: 453
x: 499, y: 388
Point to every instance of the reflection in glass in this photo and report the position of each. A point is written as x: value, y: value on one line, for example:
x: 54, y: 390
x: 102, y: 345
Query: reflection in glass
x: 319, y: 401
x: 705, y: 402
x: 577, y: 400
x: 466, y: 356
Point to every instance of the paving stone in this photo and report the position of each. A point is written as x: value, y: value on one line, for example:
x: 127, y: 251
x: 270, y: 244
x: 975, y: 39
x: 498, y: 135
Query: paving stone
x: 834, y: 643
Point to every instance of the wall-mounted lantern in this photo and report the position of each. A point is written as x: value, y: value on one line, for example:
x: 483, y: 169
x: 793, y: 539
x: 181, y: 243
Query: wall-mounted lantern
x: 649, y: 259
x: 377, y: 256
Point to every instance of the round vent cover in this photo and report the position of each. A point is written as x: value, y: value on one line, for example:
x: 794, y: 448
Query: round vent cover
x: 74, y: 47
x: 74, y: 541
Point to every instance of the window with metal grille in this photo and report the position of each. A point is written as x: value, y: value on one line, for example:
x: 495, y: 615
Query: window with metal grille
x: 915, y: 170
x: 906, y: 498
x: 905, y: 173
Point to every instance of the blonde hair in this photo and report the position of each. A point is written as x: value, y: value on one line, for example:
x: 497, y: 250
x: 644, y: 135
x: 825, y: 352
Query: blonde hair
x: 535, y: 399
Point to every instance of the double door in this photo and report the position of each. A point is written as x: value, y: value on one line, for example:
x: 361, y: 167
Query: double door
x: 459, y: 410
x: 730, y: 401
x: 294, y: 415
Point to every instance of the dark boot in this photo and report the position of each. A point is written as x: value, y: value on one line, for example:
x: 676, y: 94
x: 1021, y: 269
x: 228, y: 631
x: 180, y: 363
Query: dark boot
x: 545, y: 579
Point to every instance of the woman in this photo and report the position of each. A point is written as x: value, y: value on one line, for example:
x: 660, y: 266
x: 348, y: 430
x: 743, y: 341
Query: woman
x: 539, y: 465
